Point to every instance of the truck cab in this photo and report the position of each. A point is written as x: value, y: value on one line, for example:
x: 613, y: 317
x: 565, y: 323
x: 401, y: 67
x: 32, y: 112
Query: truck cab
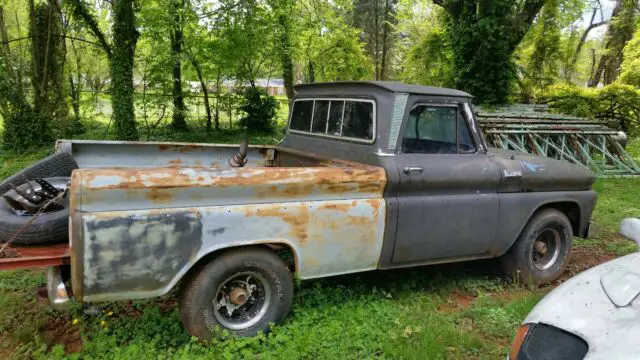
x: 449, y: 197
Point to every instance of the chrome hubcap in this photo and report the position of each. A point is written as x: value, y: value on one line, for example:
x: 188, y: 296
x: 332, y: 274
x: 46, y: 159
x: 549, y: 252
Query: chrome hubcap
x: 242, y: 300
x: 545, y: 251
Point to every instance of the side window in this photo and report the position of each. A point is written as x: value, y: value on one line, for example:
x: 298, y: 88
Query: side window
x: 320, y: 113
x: 436, y: 130
x: 350, y: 118
x: 301, y: 115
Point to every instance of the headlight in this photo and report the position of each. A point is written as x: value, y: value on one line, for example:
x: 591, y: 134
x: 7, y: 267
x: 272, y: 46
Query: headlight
x: 541, y: 341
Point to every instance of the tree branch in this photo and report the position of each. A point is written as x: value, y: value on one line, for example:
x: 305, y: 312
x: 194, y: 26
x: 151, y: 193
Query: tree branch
x: 5, y: 42
x: 81, y: 11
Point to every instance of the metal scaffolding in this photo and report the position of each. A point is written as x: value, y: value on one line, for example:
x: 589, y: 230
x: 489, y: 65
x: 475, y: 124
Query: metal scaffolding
x: 582, y: 141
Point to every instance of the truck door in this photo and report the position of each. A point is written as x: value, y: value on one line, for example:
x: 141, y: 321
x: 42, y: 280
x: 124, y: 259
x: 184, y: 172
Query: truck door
x: 448, y: 206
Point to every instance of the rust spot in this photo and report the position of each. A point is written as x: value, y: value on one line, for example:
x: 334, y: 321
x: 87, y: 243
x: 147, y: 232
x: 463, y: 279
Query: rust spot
x: 158, y: 196
x: 296, y: 216
x: 175, y: 162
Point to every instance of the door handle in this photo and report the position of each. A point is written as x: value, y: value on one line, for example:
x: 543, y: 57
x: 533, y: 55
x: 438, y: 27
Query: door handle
x: 412, y: 170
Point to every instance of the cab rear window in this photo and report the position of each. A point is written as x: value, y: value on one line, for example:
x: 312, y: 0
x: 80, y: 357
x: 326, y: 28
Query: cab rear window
x: 342, y: 118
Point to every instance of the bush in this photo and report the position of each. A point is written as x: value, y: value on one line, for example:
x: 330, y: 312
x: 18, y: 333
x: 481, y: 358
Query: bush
x: 260, y: 109
x: 616, y: 102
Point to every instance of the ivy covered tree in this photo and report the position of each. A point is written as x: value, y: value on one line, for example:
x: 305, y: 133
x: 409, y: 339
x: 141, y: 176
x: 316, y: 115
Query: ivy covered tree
x: 121, y: 53
x: 484, y: 36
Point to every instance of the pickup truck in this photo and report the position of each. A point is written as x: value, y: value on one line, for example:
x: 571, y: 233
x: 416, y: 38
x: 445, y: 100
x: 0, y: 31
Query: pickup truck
x: 370, y: 176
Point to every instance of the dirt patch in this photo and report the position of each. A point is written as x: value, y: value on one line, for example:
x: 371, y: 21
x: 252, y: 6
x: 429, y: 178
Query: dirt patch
x: 457, y: 300
x: 586, y: 258
x: 57, y: 330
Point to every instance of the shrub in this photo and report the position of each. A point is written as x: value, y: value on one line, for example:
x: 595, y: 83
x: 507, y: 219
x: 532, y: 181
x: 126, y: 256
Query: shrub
x: 260, y: 109
x: 616, y: 102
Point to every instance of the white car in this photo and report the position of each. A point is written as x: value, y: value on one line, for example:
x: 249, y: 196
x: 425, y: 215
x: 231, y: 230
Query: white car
x: 594, y: 315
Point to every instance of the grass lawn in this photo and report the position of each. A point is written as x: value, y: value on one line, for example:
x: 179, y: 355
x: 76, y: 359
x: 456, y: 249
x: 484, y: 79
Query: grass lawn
x: 458, y: 311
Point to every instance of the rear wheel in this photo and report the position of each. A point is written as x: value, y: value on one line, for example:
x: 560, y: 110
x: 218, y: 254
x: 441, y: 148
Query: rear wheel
x: 542, y: 251
x: 242, y: 291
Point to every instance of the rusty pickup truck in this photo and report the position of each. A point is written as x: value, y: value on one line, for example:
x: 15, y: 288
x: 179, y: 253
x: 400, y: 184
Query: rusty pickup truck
x: 370, y: 176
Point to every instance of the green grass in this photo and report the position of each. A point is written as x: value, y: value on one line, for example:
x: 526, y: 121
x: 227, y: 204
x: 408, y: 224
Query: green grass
x: 458, y: 311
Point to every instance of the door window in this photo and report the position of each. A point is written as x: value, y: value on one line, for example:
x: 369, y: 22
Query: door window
x: 436, y: 130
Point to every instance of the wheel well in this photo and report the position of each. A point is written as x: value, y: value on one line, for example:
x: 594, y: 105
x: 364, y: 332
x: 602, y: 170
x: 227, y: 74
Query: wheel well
x: 570, y: 209
x: 285, y: 252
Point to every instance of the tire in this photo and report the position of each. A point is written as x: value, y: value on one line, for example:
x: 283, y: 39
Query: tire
x: 203, y: 292
x: 48, y: 228
x: 58, y: 164
x: 550, y: 227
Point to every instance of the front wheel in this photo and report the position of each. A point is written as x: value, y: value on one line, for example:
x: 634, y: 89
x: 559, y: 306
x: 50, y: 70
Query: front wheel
x: 242, y: 291
x: 542, y: 251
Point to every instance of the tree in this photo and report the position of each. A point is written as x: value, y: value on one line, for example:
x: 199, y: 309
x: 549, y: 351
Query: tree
x: 176, y: 13
x: 284, y: 10
x: 484, y: 36
x: 24, y: 127
x: 48, y: 58
x: 376, y: 18
x: 621, y: 27
x: 423, y: 51
x: 120, y: 52
x: 329, y: 47
x: 547, y: 47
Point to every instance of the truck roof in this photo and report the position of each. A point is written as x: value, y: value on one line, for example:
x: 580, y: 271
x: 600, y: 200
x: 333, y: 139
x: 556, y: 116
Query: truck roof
x: 393, y: 86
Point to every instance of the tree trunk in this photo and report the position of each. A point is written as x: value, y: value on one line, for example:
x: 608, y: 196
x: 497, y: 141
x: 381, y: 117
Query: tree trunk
x: 216, y: 118
x: 620, y: 31
x: 75, y: 99
x: 375, y: 39
x: 179, y: 123
x: 287, y: 58
x: 3, y: 33
x: 205, y: 91
x: 583, y: 39
x: 125, y: 38
x: 311, y: 76
x: 385, y: 40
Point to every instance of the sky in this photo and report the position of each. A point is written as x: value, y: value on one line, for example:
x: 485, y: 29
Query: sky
x: 607, y: 9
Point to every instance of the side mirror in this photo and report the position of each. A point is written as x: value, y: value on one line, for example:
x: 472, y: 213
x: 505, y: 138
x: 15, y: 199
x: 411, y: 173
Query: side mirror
x: 630, y: 228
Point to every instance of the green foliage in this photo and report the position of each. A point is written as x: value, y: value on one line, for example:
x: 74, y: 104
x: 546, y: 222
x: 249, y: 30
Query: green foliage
x: 482, y: 44
x: 548, y: 46
x: 329, y: 47
x: 616, y: 102
x: 425, y: 45
x: 630, y: 70
x: 260, y: 109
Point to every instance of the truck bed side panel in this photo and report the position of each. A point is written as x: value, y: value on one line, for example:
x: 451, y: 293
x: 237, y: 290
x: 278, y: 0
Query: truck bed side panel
x: 139, y: 254
x: 333, y: 219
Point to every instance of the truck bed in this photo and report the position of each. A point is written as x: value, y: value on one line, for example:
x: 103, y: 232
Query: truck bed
x: 142, y: 214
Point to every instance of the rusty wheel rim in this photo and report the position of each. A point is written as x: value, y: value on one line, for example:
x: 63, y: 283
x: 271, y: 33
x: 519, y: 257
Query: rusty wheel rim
x: 242, y: 300
x: 545, y: 250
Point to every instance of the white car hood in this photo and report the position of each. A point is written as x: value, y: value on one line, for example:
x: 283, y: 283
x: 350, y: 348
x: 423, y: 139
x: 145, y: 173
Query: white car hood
x: 581, y: 306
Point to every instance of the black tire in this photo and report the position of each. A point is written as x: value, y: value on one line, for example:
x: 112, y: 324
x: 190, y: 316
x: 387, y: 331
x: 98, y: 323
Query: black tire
x: 48, y: 227
x: 550, y: 227
x: 198, y: 310
x: 58, y: 164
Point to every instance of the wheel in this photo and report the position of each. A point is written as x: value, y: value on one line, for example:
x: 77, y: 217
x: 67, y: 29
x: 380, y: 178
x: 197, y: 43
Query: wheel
x: 542, y: 251
x: 16, y: 214
x: 242, y: 291
x: 58, y: 164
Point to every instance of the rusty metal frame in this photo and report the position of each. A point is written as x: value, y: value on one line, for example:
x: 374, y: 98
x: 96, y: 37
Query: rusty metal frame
x: 585, y: 142
x: 35, y: 256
